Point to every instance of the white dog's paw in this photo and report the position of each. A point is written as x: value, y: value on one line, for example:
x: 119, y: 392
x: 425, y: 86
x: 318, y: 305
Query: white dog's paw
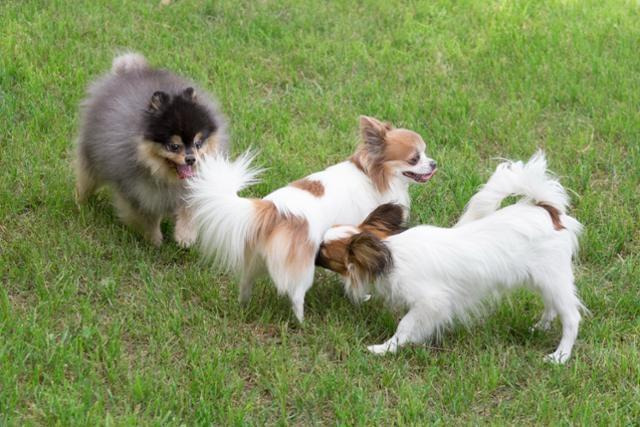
x: 542, y: 325
x: 366, y: 298
x: 379, y: 349
x: 557, y: 357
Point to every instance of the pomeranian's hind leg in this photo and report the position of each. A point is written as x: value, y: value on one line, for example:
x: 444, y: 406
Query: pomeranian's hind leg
x: 148, y: 225
x: 86, y: 182
x: 253, y: 267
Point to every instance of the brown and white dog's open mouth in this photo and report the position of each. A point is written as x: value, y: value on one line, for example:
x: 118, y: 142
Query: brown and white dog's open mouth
x: 420, y: 177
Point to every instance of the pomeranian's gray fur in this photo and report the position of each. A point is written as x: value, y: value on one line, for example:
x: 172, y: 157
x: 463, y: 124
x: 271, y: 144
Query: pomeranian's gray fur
x: 112, y: 126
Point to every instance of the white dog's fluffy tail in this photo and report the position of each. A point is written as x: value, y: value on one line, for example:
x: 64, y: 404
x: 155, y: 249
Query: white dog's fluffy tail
x: 129, y: 62
x: 224, y: 220
x: 530, y: 180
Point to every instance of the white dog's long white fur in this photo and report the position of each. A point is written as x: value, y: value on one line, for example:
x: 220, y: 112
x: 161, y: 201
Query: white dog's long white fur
x: 442, y: 274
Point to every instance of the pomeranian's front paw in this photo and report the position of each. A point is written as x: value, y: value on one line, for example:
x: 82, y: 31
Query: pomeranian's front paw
x: 185, y: 238
x: 155, y: 238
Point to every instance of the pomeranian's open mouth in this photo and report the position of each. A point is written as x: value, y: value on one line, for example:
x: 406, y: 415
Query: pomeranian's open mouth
x: 420, y: 177
x: 184, y: 171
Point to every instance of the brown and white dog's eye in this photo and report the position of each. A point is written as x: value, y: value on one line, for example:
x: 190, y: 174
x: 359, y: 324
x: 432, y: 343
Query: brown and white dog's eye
x: 198, y: 144
x: 173, y: 147
x: 414, y: 160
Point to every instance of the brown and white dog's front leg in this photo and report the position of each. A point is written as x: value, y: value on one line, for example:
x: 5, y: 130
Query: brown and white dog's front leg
x: 185, y: 232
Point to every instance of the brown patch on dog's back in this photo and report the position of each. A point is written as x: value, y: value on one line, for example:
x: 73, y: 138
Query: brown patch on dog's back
x: 312, y: 186
x: 554, y: 213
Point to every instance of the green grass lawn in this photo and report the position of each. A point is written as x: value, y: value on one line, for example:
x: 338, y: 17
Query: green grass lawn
x: 98, y: 327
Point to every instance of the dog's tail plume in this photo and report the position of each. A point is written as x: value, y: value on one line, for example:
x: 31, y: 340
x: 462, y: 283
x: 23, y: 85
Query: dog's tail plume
x: 225, y: 221
x: 128, y: 63
x: 530, y: 180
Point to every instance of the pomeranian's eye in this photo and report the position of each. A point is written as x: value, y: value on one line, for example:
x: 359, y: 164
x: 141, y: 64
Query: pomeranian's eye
x: 198, y: 144
x: 414, y: 160
x: 173, y: 147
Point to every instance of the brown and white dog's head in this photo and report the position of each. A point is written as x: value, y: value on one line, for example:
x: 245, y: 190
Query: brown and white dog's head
x: 358, y: 253
x: 386, y: 152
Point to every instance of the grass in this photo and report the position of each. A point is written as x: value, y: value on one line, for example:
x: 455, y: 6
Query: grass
x: 97, y: 327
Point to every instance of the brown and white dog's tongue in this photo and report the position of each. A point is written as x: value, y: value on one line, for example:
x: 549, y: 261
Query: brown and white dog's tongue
x: 184, y: 171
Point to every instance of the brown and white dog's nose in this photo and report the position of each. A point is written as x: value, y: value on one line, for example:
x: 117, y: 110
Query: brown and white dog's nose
x: 190, y: 160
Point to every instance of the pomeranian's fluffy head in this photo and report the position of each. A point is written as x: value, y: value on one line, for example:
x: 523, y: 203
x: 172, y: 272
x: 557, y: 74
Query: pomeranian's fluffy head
x: 178, y: 132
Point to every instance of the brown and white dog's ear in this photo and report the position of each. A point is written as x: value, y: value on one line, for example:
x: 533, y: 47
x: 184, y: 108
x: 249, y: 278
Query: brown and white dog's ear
x: 386, y: 220
x: 373, y: 131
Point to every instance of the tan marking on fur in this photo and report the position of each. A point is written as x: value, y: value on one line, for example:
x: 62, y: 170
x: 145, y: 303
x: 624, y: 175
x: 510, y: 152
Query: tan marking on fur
x: 402, y: 144
x: 272, y: 227
x: 314, y: 187
x: 554, y: 213
x: 386, y: 220
x: 184, y: 233
x: 86, y: 182
x: 333, y: 255
x: 157, y: 159
x: 399, y: 146
x: 209, y: 145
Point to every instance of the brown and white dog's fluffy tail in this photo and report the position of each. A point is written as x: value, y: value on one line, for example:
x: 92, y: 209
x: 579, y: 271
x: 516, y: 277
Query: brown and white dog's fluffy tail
x: 225, y: 221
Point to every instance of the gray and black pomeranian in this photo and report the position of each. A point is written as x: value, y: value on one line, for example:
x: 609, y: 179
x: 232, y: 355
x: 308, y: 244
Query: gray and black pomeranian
x: 143, y: 133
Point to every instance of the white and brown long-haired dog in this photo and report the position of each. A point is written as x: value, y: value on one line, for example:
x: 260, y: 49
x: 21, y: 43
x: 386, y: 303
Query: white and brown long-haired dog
x: 282, y: 232
x: 442, y: 274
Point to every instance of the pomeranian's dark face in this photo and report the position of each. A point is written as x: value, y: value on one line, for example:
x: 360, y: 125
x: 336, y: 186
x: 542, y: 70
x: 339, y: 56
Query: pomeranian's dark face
x: 179, y: 131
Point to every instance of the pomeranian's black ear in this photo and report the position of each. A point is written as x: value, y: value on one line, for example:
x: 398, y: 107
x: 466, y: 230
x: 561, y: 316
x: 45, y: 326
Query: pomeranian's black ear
x: 159, y: 100
x: 189, y: 94
x: 386, y: 220
x: 373, y: 131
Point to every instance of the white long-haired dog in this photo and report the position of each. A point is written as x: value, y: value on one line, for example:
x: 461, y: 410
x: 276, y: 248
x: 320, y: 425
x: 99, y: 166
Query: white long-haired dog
x: 282, y: 232
x: 442, y: 274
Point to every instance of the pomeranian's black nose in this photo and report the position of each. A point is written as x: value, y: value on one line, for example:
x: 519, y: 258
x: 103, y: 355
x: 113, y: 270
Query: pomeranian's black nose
x: 433, y: 164
x: 190, y: 160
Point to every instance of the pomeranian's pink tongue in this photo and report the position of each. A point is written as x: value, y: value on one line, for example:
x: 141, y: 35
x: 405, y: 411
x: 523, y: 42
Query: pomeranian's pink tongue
x: 184, y: 171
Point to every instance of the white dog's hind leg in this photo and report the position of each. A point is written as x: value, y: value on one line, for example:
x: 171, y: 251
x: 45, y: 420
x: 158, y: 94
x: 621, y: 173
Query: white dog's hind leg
x: 560, y: 291
x: 414, y: 327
